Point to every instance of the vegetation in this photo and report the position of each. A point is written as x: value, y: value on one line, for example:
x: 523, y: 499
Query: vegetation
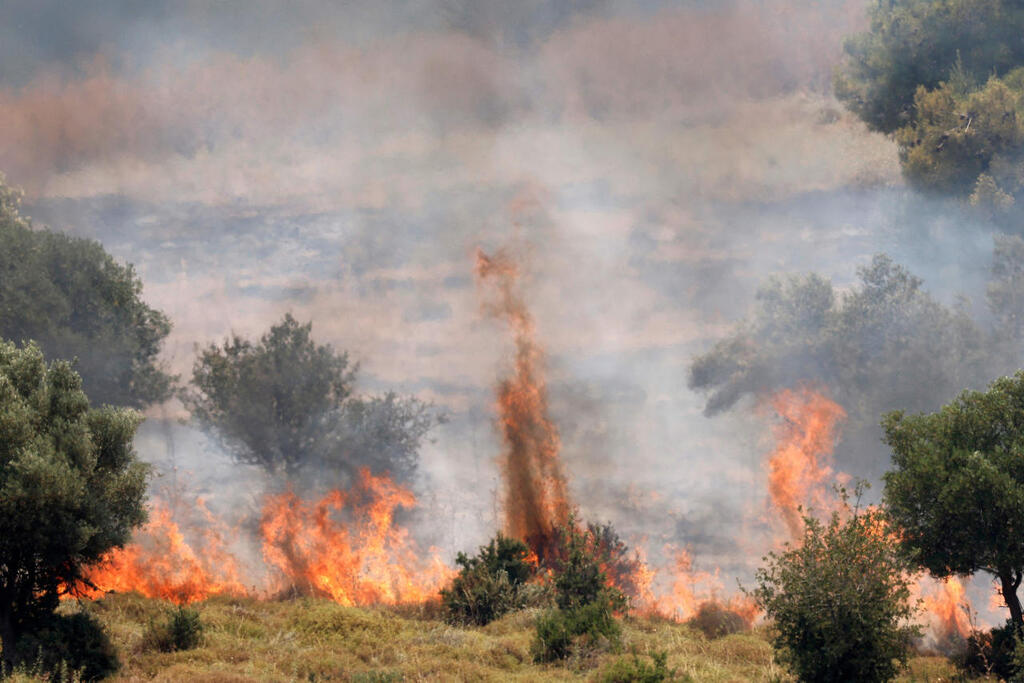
x: 71, y: 489
x: 715, y: 620
x: 956, y: 492
x: 489, y: 585
x: 636, y: 670
x: 945, y: 79
x: 316, y: 640
x: 839, y: 601
x: 179, y: 630
x: 285, y: 403
x: 585, y: 597
x: 74, y: 300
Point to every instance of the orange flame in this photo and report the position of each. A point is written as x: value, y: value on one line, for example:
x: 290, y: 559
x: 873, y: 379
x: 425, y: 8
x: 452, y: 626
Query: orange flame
x: 368, y: 560
x: 798, y: 468
x: 946, y: 608
x: 536, y: 496
x: 161, y: 563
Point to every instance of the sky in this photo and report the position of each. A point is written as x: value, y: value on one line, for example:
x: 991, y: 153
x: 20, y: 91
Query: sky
x: 649, y: 163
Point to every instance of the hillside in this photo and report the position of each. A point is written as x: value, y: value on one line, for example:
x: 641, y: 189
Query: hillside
x: 318, y: 640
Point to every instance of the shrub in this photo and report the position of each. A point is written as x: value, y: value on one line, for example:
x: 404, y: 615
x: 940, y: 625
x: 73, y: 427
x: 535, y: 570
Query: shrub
x: 490, y: 584
x: 839, y: 601
x: 560, y: 630
x: 586, y: 600
x: 182, y: 630
x: 715, y: 620
x: 991, y: 653
x: 635, y: 670
x: 69, y: 646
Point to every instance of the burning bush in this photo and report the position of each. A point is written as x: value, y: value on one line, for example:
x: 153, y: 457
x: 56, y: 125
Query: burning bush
x: 839, y: 601
x: 490, y: 584
x: 715, y: 620
x: 587, y: 601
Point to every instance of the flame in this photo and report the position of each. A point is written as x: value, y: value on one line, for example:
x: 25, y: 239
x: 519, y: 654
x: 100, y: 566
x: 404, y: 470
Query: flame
x: 798, y: 467
x: 161, y: 563
x: 947, y: 609
x: 536, y: 497
x: 365, y: 560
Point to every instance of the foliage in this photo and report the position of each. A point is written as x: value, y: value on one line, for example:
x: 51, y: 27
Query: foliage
x: 285, y: 404
x: 636, y: 670
x: 180, y: 630
x: 912, y: 44
x: 559, y: 631
x: 69, y: 646
x: 715, y: 620
x: 956, y: 491
x: 71, y: 487
x: 490, y: 584
x: 77, y: 302
x: 884, y: 344
x: 839, y: 601
x: 585, y: 597
x: 991, y: 653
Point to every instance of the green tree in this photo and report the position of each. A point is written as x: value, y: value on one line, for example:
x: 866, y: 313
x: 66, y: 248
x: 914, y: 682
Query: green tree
x: 912, y: 44
x: 74, y: 300
x: 71, y: 487
x: 285, y: 403
x: 956, y: 490
x: 839, y: 600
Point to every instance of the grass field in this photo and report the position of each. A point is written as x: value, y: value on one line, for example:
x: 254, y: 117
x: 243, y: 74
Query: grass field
x: 317, y: 640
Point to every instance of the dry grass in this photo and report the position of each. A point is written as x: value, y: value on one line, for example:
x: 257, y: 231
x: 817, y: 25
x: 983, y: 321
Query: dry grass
x: 316, y: 640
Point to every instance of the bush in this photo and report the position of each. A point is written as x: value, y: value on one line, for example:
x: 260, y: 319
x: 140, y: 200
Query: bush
x: 586, y: 600
x: 715, y: 620
x: 559, y: 631
x: 489, y: 585
x: 69, y: 646
x: 991, y: 653
x: 839, y: 601
x: 636, y: 670
x: 182, y: 630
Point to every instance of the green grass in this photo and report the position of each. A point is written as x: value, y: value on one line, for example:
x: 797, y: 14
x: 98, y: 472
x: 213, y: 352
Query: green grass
x: 315, y: 640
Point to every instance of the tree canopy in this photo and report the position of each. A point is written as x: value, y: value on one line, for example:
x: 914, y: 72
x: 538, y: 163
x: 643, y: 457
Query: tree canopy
x: 72, y: 298
x: 945, y: 79
x: 285, y: 403
x: 956, y: 490
x: 71, y: 487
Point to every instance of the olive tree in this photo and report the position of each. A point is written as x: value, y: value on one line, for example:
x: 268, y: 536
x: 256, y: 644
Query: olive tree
x: 71, y: 488
x: 956, y: 490
x: 285, y: 404
x: 76, y: 302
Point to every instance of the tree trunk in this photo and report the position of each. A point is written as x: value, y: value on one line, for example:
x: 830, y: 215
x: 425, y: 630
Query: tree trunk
x: 1010, y: 582
x: 6, y: 641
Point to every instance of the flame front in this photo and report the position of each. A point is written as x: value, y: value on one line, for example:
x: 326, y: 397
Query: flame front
x: 161, y: 563
x: 536, y: 497
x: 366, y: 559
x: 798, y: 470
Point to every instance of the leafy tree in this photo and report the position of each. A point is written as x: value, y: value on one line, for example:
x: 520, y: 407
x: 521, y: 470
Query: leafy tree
x: 76, y: 301
x: 490, y: 584
x: 884, y: 344
x: 71, y: 488
x: 912, y: 44
x: 839, y: 601
x: 956, y: 491
x: 285, y: 403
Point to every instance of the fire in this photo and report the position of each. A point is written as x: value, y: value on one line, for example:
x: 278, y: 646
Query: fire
x: 365, y: 559
x: 946, y: 608
x: 161, y: 563
x: 536, y: 496
x: 798, y: 468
